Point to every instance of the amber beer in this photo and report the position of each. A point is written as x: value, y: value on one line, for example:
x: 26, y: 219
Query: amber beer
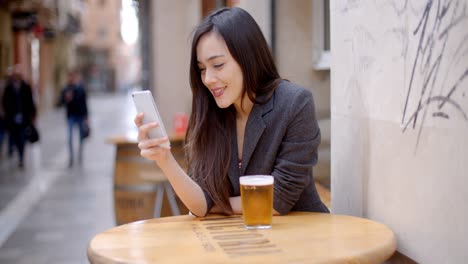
x: 257, y: 201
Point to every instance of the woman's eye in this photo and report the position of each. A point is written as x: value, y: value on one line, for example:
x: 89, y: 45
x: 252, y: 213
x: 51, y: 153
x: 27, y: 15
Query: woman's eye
x: 202, y: 70
x: 217, y: 66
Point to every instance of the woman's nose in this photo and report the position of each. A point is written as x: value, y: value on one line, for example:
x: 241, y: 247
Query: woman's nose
x: 210, y: 77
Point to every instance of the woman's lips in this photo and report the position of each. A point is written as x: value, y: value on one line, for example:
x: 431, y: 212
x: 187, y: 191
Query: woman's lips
x: 217, y: 92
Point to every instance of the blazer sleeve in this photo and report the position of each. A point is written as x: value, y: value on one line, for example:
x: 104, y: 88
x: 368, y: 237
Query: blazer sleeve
x: 297, y: 153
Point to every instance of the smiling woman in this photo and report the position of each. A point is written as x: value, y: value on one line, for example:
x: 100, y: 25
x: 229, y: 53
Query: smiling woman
x: 245, y: 120
x: 220, y: 73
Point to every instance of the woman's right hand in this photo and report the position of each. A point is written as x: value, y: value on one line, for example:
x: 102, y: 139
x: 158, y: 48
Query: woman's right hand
x: 150, y: 148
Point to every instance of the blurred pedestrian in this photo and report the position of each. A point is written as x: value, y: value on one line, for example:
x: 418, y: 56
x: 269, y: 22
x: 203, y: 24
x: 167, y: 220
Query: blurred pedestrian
x: 20, y: 111
x: 2, y: 114
x: 74, y: 98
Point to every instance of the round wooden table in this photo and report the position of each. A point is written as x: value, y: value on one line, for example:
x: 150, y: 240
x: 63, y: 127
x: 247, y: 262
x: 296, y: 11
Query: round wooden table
x: 294, y: 238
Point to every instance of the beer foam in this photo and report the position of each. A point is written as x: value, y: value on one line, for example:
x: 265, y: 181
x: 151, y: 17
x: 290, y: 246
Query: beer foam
x: 256, y: 180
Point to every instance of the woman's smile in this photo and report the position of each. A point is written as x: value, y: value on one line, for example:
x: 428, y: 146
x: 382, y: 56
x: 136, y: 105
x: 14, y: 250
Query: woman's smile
x: 218, y: 92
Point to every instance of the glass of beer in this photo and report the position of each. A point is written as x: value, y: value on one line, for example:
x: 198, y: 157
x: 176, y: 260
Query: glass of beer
x: 257, y: 201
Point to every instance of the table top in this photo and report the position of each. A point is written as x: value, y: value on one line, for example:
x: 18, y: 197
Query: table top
x: 298, y: 237
x: 131, y: 138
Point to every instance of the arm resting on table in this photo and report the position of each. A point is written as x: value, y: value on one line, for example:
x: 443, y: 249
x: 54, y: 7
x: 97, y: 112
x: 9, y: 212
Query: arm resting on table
x: 188, y: 190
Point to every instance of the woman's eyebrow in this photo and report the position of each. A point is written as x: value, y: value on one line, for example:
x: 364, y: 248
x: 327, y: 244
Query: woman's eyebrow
x: 211, y: 58
x: 214, y: 57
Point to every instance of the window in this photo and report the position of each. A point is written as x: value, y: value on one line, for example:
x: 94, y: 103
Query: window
x: 326, y: 26
x: 321, y: 34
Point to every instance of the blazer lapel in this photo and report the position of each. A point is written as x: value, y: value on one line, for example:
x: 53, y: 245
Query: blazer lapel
x: 233, y: 171
x: 254, y: 130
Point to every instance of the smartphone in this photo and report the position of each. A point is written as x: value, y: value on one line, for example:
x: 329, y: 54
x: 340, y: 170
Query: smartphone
x: 145, y: 104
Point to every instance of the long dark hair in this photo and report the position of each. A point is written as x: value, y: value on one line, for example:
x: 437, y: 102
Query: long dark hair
x: 211, y: 128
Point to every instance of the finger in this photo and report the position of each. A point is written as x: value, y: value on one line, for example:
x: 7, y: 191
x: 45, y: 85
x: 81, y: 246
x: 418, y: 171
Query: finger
x: 138, y: 119
x: 150, y: 143
x: 150, y: 153
x: 143, y: 130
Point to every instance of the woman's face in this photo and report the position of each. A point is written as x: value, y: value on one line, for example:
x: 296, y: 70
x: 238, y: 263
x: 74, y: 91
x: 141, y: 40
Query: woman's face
x: 220, y: 73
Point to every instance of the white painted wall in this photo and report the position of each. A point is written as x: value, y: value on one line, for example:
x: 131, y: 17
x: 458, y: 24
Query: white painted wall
x: 406, y: 172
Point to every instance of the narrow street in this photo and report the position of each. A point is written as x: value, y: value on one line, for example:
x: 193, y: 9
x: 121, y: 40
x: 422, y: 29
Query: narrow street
x: 49, y: 212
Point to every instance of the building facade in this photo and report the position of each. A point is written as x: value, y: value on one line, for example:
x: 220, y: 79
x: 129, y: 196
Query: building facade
x: 100, y: 44
x: 38, y: 35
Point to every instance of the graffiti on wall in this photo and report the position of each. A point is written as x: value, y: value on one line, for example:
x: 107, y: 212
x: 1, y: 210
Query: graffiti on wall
x: 437, y: 86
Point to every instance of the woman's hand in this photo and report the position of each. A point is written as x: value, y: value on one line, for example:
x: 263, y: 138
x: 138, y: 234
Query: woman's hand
x: 150, y: 148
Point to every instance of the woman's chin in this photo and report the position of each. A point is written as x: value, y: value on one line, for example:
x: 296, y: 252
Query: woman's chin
x: 222, y: 104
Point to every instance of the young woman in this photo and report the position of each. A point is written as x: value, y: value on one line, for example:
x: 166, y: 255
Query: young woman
x: 245, y: 120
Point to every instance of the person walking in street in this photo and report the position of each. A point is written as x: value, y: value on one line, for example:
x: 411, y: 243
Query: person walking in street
x: 73, y: 96
x: 245, y: 120
x: 2, y: 114
x: 20, y: 111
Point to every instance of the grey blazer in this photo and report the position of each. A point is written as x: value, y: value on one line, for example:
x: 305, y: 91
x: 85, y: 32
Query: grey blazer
x: 281, y: 139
